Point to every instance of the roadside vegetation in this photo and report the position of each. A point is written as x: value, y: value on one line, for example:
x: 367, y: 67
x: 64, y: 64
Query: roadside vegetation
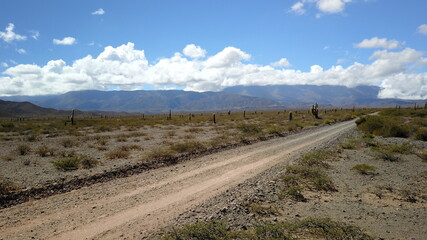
x: 403, y: 123
x: 310, y: 228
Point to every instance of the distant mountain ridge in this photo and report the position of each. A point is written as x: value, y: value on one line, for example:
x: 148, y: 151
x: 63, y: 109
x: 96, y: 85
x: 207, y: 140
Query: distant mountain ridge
x: 10, y: 109
x: 148, y: 101
x: 237, y: 97
x: 326, y: 94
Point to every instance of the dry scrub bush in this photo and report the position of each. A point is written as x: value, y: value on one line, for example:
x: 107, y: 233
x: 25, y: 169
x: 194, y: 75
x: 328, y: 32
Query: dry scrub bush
x: 364, y: 169
x: 45, y: 151
x: 68, y: 143
x: 7, y: 186
x: 23, y: 149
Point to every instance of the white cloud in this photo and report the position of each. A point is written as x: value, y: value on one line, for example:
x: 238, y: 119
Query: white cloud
x: 64, y: 41
x: 21, y: 51
x: 9, y: 36
x: 98, y: 12
x: 194, y: 51
x: 323, y: 6
x: 422, y: 29
x: 125, y: 67
x: 35, y: 34
x: 228, y: 57
x: 283, y: 62
x: 332, y: 6
x: 378, y: 43
x: 298, y: 8
x: 4, y: 64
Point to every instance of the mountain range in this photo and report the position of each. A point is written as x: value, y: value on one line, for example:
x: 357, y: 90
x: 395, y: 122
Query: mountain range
x: 237, y: 97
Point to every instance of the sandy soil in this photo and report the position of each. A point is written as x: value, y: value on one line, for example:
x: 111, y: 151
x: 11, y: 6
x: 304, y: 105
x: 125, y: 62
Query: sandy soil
x: 132, y: 207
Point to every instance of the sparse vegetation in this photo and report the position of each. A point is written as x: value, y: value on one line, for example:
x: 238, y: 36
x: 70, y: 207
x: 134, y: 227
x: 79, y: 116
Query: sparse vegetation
x: 308, y: 174
x: 388, y: 123
x: 45, y: 151
x: 184, y: 147
x: 262, y: 209
x: 67, y: 164
x: 249, y: 129
x: 118, y: 153
x: 23, y: 149
x: 423, y: 155
x: 364, y: 169
x: 351, y: 143
x: 310, y: 228
x: 7, y: 186
x: 159, y: 154
x: 87, y: 162
x: 69, y: 142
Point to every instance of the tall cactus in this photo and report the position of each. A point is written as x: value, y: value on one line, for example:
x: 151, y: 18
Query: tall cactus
x: 72, y: 118
x: 214, y: 118
x: 315, y: 110
x: 290, y: 116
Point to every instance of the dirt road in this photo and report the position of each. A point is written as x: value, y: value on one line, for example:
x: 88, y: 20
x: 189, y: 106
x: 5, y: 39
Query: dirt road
x: 131, y: 207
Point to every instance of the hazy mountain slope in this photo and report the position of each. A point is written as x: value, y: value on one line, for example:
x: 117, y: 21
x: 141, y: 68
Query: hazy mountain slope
x: 24, y: 109
x: 335, y: 95
x: 149, y: 101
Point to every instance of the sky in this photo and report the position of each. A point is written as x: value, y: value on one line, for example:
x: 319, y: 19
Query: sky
x: 57, y: 46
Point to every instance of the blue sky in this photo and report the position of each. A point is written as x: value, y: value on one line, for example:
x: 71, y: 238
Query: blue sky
x: 45, y: 45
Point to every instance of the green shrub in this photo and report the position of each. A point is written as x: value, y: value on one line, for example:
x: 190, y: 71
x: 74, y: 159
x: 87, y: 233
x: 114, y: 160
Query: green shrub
x: 325, y: 228
x: 351, y: 143
x: 262, y: 210
x: 87, y: 162
x: 118, y: 153
x: 275, y: 130
x: 388, y: 156
x: 328, y: 121
x: 249, y: 129
x: 310, y: 228
x: 201, y: 231
x: 296, y: 193
x: 402, y: 149
x: 364, y: 169
x: 191, y: 146
x: 23, y: 149
x: 67, y: 164
x: 316, y: 158
x: 315, y: 177
x: 421, y: 134
x: 159, y: 154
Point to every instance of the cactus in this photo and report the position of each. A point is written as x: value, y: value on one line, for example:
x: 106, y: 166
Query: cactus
x: 189, y: 117
x: 214, y: 118
x: 170, y: 115
x: 244, y: 114
x: 290, y: 116
x: 315, y: 110
x: 72, y: 118
x: 415, y: 106
x: 353, y: 109
x: 229, y: 112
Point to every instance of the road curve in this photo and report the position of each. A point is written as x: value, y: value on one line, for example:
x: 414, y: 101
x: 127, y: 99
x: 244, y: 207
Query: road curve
x: 132, y: 206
